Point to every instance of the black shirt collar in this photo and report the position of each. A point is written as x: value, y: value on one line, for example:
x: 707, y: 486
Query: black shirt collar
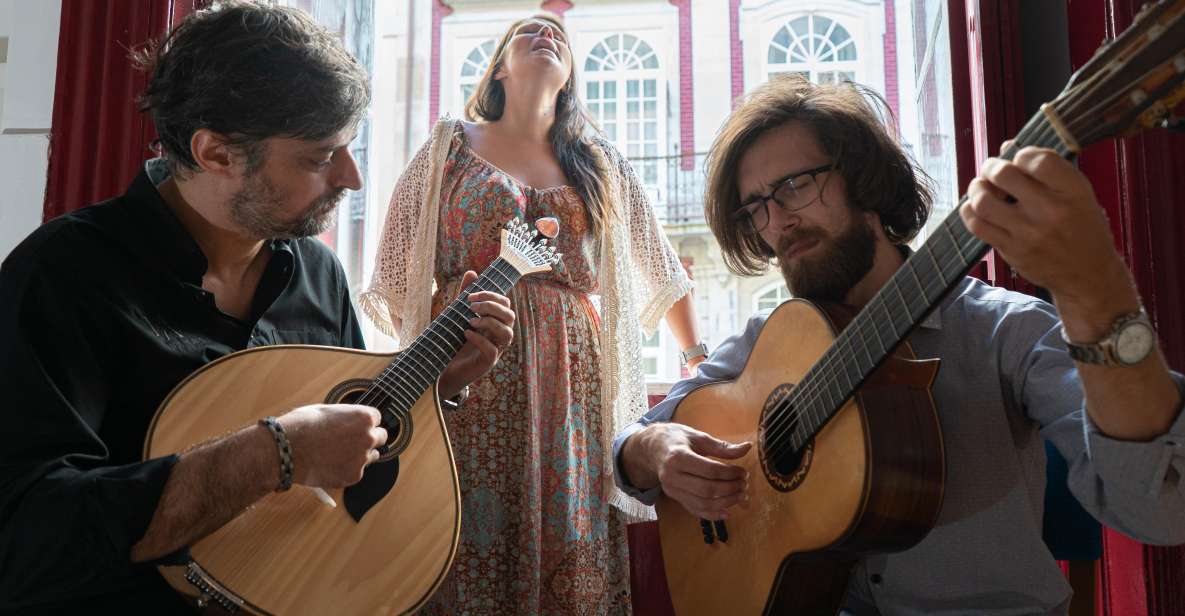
x: 155, y: 233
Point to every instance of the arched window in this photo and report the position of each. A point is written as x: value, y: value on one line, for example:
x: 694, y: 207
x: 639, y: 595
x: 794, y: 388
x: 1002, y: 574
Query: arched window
x: 771, y: 297
x: 474, y: 67
x: 817, y: 47
x: 622, y: 90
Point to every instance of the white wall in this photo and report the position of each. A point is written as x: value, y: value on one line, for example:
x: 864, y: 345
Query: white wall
x: 27, y: 87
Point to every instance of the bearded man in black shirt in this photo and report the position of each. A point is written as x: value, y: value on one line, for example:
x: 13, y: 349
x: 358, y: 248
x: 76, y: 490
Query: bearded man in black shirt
x: 208, y: 252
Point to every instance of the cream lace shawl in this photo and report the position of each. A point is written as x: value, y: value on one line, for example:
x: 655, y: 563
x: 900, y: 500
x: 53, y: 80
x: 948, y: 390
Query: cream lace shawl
x: 640, y: 277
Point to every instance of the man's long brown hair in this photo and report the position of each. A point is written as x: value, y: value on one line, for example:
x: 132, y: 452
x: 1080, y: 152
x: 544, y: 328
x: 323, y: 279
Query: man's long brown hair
x: 572, y: 135
x: 850, y: 123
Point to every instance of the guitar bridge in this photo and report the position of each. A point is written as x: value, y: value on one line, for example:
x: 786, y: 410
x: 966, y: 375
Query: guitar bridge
x: 210, y: 590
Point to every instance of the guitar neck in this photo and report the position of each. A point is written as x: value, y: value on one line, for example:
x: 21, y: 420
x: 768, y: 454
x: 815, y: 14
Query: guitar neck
x: 902, y: 303
x: 423, y: 361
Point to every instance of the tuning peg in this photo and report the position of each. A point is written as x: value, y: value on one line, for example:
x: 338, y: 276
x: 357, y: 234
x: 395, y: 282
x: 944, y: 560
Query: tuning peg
x: 543, y: 243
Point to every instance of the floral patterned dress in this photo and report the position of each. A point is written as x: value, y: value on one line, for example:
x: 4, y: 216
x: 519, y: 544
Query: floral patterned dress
x: 537, y: 534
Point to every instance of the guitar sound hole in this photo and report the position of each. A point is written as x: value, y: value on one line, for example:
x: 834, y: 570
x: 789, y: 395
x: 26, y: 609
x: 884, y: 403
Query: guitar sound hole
x: 393, y: 423
x: 786, y: 462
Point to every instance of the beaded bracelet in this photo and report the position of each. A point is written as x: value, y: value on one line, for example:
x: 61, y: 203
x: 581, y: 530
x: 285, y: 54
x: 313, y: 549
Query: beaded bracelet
x: 285, y: 452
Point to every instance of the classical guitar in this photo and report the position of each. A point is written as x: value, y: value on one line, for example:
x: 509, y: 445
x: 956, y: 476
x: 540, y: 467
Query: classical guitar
x: 389, y: 545
x: 848, y: 457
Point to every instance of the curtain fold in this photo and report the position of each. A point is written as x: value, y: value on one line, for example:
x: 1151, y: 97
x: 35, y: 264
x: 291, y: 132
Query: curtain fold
x: 98, y: 138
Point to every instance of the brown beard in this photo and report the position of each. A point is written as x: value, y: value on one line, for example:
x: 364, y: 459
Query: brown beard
x: 832, y: 271
x: 256, y: 207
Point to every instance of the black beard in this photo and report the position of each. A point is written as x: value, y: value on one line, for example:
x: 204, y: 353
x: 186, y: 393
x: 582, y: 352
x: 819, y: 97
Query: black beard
x: 255, y: 209
x: 828, y: 275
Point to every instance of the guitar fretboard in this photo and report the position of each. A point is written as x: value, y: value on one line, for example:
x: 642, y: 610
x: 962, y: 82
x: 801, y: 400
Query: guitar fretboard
x: 418, y: 367
x: 905, y: 300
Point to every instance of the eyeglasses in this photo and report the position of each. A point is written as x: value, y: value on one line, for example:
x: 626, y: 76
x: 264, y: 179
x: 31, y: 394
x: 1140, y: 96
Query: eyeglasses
x: 791, y: 194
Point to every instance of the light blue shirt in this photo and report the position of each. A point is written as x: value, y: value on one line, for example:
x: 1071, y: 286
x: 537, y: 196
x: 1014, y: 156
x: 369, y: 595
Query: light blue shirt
x: 1005, y: 385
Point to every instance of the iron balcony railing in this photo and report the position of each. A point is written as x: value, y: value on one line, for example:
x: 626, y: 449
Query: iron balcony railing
x: 675, y: 185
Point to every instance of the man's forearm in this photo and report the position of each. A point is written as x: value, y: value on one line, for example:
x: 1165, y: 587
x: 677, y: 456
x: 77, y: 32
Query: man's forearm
x: 210, y: 485
x: 1135, y: 403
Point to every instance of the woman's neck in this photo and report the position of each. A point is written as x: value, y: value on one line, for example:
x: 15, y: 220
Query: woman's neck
x: 529, y: 112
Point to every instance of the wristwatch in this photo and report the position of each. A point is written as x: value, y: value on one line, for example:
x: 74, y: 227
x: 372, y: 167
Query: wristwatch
x: 455, y: 402
x: 1130, y: 341
x: 692, y: 352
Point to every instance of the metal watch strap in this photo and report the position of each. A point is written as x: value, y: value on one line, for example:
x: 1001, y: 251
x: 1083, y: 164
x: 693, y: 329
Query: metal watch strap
x: 456, y: 401
x: 692, y: 352
x: 1101, y: 352
x: 1087, y: 353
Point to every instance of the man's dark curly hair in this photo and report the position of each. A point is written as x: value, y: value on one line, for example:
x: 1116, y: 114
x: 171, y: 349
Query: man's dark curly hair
x: 249, y: 71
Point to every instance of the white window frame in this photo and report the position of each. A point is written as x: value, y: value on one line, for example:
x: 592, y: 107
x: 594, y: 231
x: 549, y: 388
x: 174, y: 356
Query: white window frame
x: 775, y: 288
x: 812, y: 47
x: 640, y: 50
x: 760, y: 21
x: 486, y: 50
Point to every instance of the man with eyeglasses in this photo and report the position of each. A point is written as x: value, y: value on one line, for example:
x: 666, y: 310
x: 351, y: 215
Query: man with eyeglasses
x: 809, y: 176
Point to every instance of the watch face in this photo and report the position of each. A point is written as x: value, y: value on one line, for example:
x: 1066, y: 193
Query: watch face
x: 1134, y: 342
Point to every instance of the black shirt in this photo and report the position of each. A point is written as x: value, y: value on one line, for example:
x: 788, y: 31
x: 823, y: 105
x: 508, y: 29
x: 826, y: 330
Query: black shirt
x: 101, y: 314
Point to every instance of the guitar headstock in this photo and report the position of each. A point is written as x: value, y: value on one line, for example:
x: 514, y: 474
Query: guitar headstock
x: 525, y: 246
x: 1132, y: 83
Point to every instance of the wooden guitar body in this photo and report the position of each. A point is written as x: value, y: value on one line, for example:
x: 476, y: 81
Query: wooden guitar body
x: 871, y: 480
x: 291, y: 553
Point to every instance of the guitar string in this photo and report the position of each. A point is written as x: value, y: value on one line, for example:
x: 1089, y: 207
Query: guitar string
x: 823, y: 380
x: 825, y: 385
x: 813, y: 394
x: 386, y: 391
x: 413, y: 353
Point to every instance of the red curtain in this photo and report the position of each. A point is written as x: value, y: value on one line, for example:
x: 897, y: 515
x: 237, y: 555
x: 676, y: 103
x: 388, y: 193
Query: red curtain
x: 1138, y: 187
x: 98, y: 138
x: 1139, y: 183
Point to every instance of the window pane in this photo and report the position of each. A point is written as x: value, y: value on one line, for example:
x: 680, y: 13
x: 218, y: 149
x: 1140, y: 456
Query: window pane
x: 822, y: 25
x: 651, y: 62
x: 631, y: 88
x: 611, y: 111
x: 847, y: 53
x: 651, y: 109
x: 650, y: 366
x: 631, y: 110
x: 610, y: 90
x: 632, y: 132
x: 776, y: 56
x: 650, y: 88
x: 782, y: 38
x: 651, y: 131
x: 800, y: 26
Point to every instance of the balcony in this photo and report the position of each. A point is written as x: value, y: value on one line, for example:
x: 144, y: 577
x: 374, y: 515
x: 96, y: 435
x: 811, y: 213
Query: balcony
x: 675, y: 185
